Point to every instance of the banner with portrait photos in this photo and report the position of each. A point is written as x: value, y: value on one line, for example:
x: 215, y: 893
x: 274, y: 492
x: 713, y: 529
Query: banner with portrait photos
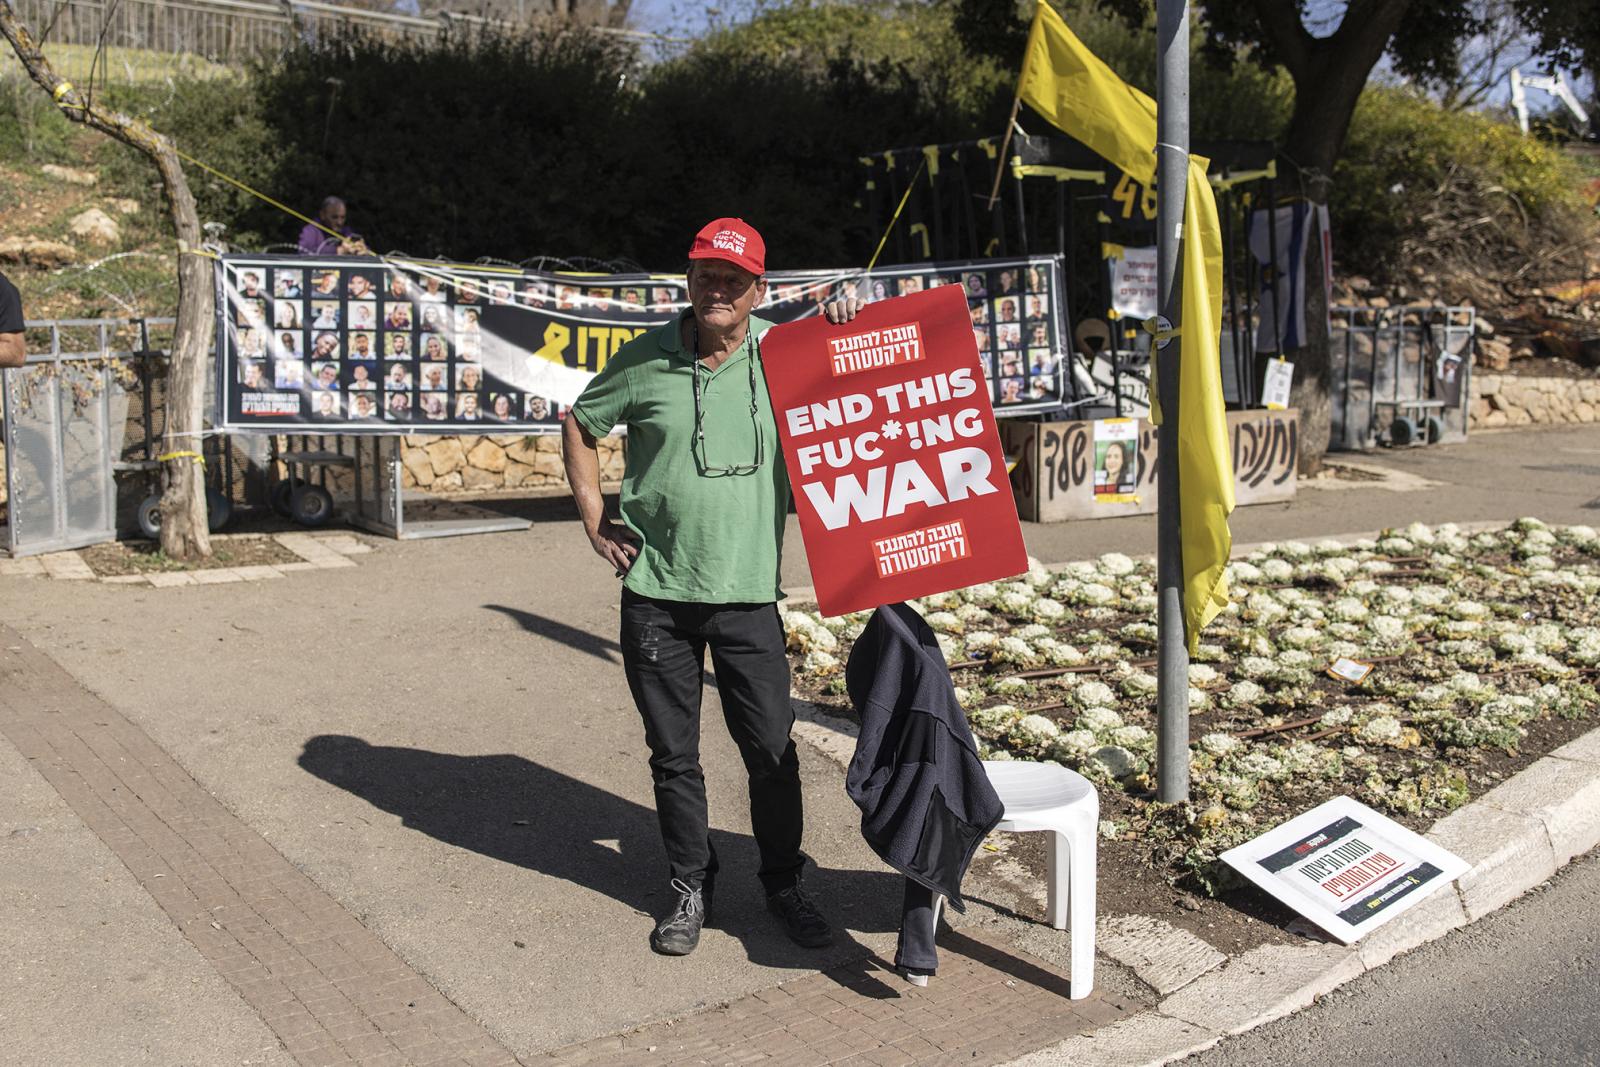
x: 361, y: 345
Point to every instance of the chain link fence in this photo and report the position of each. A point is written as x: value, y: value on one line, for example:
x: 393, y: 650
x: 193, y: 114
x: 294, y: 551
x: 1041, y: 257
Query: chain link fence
x: 231, y: 32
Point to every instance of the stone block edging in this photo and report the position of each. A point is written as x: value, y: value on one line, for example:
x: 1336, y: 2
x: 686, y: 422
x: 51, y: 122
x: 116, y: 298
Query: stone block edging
x: 1516, y: 836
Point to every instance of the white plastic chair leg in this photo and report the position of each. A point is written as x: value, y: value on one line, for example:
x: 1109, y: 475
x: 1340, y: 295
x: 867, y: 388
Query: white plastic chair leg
x: 1059, y: 881
x: 1070, y: 900
x: 1081, y: 907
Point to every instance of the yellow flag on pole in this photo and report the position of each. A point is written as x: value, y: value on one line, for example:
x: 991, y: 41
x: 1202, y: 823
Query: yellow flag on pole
x: 1081, y: 96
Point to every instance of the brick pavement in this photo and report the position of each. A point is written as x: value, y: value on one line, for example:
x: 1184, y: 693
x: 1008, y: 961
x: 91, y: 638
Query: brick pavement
x: 333, y: 993
x: 990, y: 1003
x: 330, y: 990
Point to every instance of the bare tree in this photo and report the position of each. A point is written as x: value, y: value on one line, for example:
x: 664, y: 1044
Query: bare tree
x: 1487, y: 58
x: 184, y: 534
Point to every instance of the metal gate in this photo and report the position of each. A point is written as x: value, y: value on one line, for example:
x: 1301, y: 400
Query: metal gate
x: 66, y: 414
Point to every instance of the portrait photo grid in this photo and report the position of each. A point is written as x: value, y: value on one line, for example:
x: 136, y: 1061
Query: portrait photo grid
x: 1013, y: 320
x: 369, y: 344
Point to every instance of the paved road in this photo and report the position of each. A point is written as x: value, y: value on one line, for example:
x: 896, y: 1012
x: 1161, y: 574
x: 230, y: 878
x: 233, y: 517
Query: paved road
x: 442, y: 740
x: 1517, y: 987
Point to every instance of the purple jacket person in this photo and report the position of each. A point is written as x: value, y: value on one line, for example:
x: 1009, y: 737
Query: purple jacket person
x: 315, y: 241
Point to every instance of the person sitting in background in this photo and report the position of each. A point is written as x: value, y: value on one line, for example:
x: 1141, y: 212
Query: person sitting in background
x: 317, y: 241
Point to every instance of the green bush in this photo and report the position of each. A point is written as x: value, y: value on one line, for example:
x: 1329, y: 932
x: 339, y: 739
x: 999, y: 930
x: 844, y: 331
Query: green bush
x: 214, y: 119
x: 1419, y: 183
x: 478, y: 144
x: 31, y: 127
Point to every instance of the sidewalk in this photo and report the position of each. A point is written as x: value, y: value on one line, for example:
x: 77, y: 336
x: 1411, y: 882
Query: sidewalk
x: 432, y: 759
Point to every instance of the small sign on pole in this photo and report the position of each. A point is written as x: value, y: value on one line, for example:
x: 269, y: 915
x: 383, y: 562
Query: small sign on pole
x: 1279, y: 380
x: 1345, y: 867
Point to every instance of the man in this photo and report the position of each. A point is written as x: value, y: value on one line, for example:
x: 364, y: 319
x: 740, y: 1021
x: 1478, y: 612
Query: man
x: 704, y: 499
x: 317, y: 241
x: 13, y: 351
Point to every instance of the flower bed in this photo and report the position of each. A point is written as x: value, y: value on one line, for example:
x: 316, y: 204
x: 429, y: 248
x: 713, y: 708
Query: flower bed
x: 1485, y: 649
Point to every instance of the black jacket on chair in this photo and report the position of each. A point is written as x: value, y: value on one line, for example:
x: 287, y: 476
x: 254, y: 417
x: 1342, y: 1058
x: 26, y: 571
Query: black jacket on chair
x: 925, y: 800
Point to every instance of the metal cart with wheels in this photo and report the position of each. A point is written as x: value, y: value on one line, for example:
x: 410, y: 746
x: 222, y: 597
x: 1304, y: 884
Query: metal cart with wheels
x: 296, y: 496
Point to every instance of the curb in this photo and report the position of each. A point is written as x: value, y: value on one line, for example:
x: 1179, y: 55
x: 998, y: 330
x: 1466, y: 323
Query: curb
x: 1516, y: 836
x: 312, y: 552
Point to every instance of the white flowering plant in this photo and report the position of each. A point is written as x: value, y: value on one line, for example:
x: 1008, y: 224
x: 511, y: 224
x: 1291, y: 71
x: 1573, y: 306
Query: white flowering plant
x: 1484, y: 646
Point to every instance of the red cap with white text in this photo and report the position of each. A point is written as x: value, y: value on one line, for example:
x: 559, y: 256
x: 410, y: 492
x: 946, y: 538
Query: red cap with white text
x: 734, y: 240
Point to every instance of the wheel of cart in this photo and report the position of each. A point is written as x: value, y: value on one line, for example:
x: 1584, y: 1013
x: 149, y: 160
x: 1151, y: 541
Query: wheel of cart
x: 295, y: 496
x: 219, y: 509
x: 1415, y: 422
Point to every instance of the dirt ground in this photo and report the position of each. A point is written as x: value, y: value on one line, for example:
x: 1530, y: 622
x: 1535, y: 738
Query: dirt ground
x: 144, y: 557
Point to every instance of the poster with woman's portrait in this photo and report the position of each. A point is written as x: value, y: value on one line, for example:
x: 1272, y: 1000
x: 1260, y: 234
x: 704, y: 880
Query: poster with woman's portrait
x: 1116, y: 461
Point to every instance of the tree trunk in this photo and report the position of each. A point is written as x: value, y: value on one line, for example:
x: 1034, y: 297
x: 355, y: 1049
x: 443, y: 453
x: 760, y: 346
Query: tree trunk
x: 1312, y: 393
x: 184, y: 533
x: 1329, y: 75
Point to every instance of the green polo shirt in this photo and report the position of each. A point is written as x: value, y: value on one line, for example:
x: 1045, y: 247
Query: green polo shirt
x: 706, y: 537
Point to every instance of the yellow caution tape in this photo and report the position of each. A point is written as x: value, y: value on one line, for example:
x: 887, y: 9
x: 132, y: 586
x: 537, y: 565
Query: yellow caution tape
x: 1154, y: 330
x: 182, y: 454
x: 61, y: 90
x: 1060, y: 174
x: 912, y: 184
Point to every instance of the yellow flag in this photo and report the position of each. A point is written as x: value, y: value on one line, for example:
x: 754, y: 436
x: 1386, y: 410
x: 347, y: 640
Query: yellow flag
x: 1205, y: 465
x: 1081, y: 96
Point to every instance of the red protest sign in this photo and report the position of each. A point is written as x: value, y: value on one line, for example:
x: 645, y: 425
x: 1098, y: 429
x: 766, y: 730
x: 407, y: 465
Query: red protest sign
x: 893, y: 452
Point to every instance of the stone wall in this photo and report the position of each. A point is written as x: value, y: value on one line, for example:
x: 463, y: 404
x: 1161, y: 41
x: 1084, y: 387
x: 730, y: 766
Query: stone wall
x: 474, y: 464
x: 1523, y: 400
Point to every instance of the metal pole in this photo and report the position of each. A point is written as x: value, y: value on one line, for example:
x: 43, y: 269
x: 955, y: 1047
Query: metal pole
x: 1172, y: 166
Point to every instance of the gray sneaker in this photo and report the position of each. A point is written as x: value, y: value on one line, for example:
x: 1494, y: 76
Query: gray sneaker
x: 679, y: 933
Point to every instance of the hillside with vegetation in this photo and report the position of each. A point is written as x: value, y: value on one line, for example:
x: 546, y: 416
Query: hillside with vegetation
x: 566, y: 144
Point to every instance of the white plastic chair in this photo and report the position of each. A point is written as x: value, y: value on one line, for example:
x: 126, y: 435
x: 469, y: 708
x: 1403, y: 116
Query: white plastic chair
x: 1047, y: 796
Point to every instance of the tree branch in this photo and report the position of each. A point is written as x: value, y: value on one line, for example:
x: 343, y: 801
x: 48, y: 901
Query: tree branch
x: 1281, y: 26
x: 184, y: 534
x: 1366, y: 29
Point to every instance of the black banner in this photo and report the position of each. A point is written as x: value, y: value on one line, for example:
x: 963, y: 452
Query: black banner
x: 360, y: 345
x: 1374, y: 903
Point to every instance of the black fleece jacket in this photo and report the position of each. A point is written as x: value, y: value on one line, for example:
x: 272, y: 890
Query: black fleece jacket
x: 925, y: 800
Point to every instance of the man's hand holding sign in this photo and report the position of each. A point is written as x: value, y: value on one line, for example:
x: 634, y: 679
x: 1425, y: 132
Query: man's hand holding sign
x: 893, y: 452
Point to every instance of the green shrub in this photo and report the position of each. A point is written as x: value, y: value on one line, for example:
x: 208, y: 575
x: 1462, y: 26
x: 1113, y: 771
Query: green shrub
x: 478, y: 144
x: 215, y: 119
x: 1419, y: 183
x: 31, y: 128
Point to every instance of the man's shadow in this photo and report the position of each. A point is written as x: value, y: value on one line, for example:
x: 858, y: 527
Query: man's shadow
x: 520, y: 812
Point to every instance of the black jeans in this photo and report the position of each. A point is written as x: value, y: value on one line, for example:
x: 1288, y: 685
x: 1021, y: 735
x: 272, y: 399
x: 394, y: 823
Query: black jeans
x: 919, y: 922
x: 663, y: 652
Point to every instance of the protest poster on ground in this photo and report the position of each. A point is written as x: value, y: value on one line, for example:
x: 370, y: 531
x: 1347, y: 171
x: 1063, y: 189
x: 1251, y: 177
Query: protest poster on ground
x: 893, y: 452
x: 364, y: 345
x: 1345, y: 867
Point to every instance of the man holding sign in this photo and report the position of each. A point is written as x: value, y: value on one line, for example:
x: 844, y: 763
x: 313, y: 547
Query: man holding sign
x: 704, y: 500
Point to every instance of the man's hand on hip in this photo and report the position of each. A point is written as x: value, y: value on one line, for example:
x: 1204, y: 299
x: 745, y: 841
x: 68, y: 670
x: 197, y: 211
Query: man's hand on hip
x: 839, y: 311
x: 616, y: 544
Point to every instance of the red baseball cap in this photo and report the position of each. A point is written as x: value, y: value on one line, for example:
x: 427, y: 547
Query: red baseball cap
x: 734, y: 240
